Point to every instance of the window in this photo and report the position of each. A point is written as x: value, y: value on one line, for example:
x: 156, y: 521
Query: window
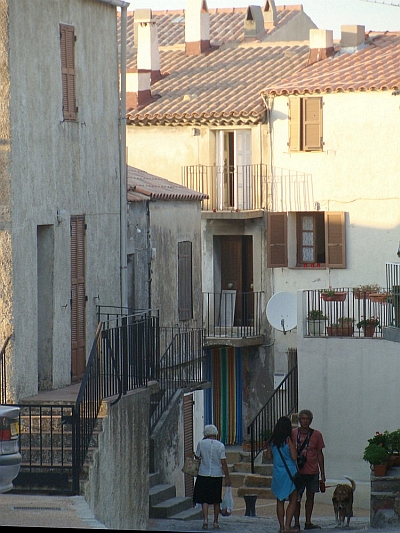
x: 306, y: 239
x: 185, y: 305
x: 67, y: 43
x: 305, y: 124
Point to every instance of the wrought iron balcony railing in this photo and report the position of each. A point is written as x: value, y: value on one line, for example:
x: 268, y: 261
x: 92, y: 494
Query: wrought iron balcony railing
x: 229, y: 188
x: 232, y: 315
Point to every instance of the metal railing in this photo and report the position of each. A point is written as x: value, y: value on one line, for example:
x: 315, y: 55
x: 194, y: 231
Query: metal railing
x: 233, y: 315
x: 342, y: 311
x: 3, y: 370
x: 282, y: 402
x: 228, y: 187
x: 393, y: 287
x: 181, y: 366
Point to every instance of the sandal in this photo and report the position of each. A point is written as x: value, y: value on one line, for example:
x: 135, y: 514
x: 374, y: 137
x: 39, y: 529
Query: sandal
x: 205, y: 526
x: 216, y: 526
x: 311, y: 526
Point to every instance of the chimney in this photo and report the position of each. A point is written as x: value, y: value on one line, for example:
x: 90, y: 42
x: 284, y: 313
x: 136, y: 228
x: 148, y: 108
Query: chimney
x: 352, y: 36
x: 197, y: 27
x: 253, y: 23
x: 269, y: 14
x: 148, y: 57
x: 137, y: 89
x: 321, y: 45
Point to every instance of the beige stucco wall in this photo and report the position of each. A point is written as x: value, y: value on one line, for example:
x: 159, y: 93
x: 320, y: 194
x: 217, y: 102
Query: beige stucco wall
x: 53, y: 165
x: 351, y: 385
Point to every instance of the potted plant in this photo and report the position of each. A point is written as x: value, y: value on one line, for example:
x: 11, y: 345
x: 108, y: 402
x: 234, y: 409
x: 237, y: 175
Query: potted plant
x: 394, y: 447
x: 344, y: 327
x: 330, y: 295
x: 363, y: 291
x: 377, y: 456
x: 368, y: 325
x: 316, y: 322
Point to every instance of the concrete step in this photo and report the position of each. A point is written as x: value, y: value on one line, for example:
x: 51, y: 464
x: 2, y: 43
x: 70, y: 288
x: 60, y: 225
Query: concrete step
x: 261, y: 492
x: 160, y: 493
x: 189, y: 514
x: 171, y: 507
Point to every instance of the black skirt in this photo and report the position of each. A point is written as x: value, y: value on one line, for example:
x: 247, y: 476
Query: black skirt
x: 207, y: 489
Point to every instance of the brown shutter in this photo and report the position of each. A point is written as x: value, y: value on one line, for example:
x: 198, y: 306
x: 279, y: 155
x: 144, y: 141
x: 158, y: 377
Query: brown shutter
x: 188, y: 438
x: 185, y: 280
x: 67, y: 43
x: 78, y: 298
x: 312, y: 124
x: 294, y: 124
x: 277, y: 240
x: 335, y: 239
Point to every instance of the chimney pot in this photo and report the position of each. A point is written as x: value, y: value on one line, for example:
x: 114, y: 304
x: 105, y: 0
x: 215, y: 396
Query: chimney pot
x: 352, y: 36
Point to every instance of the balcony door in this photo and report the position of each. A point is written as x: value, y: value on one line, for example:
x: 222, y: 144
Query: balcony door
x: 234, y: 176
x: 237, y: 274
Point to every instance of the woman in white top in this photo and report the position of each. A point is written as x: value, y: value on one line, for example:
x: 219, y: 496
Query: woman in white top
x: 213, y: 466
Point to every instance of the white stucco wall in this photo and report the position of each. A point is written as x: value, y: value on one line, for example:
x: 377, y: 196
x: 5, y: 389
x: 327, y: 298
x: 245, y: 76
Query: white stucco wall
x: 53, y: 165
x: 352, y: 387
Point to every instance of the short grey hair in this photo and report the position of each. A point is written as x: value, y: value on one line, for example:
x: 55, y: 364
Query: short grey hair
x: 210, y: 431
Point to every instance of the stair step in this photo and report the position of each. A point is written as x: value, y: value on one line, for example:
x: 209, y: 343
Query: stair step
x: 160, y: 493
x: 189, y: 514
x: 261, y: 492
x: 170, y: 507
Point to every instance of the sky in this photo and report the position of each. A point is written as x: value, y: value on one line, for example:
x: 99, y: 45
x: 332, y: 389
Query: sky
x: 376, y: 15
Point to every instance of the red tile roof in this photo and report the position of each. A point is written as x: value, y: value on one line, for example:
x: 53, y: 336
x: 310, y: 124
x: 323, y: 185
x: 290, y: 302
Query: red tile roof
x: 226, y: 25
x: 144, y: 186
x: 222, y: 87
x: 374, y: 67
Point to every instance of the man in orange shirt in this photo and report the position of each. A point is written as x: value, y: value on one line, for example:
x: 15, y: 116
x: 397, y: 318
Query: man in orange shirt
x: 310, y: 444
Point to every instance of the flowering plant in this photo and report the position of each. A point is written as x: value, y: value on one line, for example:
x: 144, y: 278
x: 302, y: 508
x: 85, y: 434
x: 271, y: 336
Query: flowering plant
x: 372, y: 321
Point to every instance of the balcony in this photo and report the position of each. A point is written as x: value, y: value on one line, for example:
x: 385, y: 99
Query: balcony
x: 233, y: 319
x: 230, y: 188
x: 341, y: 310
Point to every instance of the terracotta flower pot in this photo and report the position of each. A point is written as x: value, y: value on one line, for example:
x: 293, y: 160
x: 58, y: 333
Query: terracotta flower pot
x: 337, y: 297
x: 379, y: 470
x: 369, y: 330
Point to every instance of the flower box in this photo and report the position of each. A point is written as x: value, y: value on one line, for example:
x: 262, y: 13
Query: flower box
x: 340, y: 331
x: 334, y: 297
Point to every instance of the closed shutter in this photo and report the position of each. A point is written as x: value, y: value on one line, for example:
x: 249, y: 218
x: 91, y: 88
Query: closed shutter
x: 188, y: 438
x: 277, y: 240
x: 185, y: 280
x: 67, y: 43
x: 78, y: 298
x: 294, y: 124
x: 335, y: 239
x: 312, y: 124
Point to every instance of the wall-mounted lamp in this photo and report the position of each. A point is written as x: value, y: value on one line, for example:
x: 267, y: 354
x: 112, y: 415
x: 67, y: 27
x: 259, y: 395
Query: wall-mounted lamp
x: 61, y: 215
x: 138, y: 229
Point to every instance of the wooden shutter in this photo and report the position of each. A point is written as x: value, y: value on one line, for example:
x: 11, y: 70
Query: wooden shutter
x: 277, y: 240
x: 67, y: 43
x: 188, y: 438
x: 78, y: 298
x: 185, y: 280
x: 294, y: 124
x: 312, y: 123
x: 335, y: 240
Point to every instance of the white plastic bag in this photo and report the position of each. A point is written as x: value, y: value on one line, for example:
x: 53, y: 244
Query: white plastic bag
x: 227, y: 502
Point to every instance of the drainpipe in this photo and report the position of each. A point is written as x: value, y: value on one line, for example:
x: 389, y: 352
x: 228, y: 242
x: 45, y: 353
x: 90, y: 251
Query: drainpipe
x: 122, y: 126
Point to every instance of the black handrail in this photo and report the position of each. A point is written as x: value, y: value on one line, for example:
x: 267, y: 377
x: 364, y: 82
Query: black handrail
x: 3, y: 370
x: 282, y: 402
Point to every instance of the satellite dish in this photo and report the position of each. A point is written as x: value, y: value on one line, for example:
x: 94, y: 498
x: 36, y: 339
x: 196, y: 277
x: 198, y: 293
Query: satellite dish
x: 282, y: 311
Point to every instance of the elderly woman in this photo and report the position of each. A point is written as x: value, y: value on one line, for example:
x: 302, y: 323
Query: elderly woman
x: 213, y: 466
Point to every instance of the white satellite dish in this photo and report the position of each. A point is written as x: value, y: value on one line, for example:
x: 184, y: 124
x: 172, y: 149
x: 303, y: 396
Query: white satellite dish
x: 282, y: 311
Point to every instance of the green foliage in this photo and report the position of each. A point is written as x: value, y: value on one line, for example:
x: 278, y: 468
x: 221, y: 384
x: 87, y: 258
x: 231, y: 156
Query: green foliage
x: 372, y: 321
x: 316, y: 314
x: 376, y: 454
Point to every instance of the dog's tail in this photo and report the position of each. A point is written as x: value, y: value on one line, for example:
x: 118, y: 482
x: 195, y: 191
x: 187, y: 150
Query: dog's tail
x: 353, y: 483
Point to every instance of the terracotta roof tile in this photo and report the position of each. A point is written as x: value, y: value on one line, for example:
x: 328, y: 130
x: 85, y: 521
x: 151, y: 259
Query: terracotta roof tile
x: 144, y: 186
x: 226, y: 25
x: 374, y: 67
x: 222, y: 87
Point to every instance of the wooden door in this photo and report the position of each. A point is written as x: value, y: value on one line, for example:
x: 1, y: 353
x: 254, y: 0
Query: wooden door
x: 78, y: 298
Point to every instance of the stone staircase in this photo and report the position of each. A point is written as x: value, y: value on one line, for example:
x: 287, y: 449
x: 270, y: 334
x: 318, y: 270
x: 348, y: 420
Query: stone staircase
x: 164, y: 503
x: 246, y: 483
x: 385, y: 500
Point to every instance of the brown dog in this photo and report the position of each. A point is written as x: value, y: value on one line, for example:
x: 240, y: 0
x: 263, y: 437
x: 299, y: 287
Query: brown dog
x: 343, y: 502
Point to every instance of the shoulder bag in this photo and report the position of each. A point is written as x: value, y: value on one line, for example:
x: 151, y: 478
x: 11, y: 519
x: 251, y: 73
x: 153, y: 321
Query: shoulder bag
x: 191, y: 466
x: 297, y: 479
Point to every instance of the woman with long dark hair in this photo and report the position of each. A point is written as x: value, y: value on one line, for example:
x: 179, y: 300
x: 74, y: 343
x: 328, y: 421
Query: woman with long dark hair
x: 282, y: 485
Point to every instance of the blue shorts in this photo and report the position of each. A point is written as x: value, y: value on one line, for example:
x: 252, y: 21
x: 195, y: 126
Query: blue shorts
x: 311, y: 484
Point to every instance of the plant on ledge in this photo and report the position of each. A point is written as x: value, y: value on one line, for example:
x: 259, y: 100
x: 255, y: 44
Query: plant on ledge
x: 330, y: 295
x: 372, y: 322
x: 362, y: 290
x: 316, y: 314
x: 376, y: 454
